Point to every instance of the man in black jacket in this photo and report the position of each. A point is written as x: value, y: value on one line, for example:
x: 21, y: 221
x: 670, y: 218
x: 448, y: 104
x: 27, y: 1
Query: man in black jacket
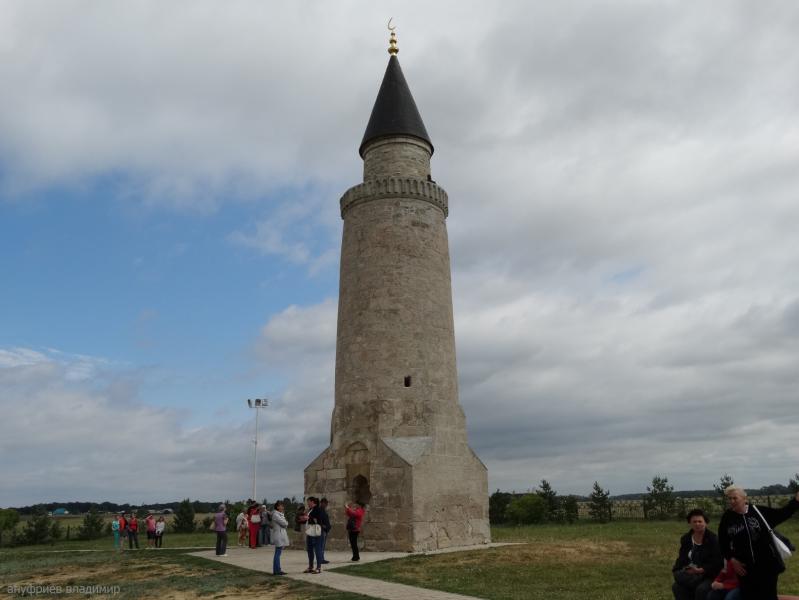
x: 325, y: 519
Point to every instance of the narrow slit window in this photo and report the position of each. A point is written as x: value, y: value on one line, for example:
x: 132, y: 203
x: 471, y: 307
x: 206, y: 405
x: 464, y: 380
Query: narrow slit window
x: 407, y: 381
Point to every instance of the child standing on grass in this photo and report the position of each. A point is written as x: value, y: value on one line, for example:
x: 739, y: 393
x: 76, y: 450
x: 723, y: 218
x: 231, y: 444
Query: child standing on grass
x: 160, y: 526
x: 115, y: 529
x: 123, y: 531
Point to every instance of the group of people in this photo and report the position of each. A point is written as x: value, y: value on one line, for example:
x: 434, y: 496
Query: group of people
x: 253, y: 525
x: 256, y: 526
x: 742, y: 562
x: 127, y: 526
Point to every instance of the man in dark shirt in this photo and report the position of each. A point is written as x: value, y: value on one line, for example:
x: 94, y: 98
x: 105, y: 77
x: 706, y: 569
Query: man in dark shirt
x: 325, y: 518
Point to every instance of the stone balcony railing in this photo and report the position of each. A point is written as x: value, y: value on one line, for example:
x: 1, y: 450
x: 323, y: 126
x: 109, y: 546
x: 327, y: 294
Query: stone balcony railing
x: 395, y: 187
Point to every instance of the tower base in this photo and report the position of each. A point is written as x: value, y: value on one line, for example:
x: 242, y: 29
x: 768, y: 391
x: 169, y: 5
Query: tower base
x: 420, y: 494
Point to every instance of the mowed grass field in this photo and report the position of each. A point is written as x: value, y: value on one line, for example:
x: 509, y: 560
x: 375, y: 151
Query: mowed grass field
x: 620, y: 560
x: 139, y: 575
x: 614, y: 561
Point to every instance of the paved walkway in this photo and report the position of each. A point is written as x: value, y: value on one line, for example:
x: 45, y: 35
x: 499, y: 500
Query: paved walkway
x: 295, y: 561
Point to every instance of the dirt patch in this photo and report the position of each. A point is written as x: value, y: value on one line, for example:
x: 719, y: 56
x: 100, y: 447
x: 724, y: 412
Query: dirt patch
x: 69, y: 574
x: 112, y: 572
x: 582, y: 551
x: 281, y: 593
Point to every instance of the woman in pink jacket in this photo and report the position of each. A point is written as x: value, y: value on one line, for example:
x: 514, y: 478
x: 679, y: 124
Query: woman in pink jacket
x: 354, y: 523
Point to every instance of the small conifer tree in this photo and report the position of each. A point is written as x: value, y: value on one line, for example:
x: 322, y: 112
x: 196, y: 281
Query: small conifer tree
x: 660, y: 501
x: 184, y: 518
x: 724, y: 482
x: 38, y: 529
x: 550, y: 498
x: 571, y: 510
x: 92, y: 527
x: 600, y: 507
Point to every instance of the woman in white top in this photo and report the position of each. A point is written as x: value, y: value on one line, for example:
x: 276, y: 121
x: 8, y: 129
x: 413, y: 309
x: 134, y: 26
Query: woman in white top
x: 160, y: 527
x: 242, y: 527
x: 280, y: 536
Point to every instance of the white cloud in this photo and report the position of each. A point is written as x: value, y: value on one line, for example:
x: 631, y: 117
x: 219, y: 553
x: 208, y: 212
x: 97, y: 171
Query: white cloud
x: 92, y: 438
x: 304, y: 231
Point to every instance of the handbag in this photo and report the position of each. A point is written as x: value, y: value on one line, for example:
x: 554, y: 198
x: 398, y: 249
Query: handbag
x: 688, y: 580
x: 781, y: 549
x: 255, y: 518
x: 313, y: 530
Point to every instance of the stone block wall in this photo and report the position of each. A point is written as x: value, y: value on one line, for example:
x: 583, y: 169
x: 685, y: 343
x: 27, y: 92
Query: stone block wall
x: 397, y: 156
x: 437, y: 502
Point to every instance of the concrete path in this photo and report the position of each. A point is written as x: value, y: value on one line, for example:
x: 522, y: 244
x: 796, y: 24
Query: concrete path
x: 295, y: 561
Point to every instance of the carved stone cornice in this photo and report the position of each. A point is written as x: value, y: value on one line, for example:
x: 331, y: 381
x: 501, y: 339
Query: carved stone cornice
x: 395, y: 187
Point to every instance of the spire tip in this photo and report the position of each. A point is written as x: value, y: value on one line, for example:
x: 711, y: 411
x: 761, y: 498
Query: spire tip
x: 393, y: 49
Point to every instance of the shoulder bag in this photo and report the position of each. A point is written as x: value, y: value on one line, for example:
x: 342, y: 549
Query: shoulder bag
x: 781, y: 548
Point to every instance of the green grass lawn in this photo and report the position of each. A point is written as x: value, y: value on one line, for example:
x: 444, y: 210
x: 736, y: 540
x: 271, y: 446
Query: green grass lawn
x: 166, y: 574
x: 619, y: 561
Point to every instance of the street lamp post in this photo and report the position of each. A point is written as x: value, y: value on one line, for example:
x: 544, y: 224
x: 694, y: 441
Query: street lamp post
x: 257, y: 404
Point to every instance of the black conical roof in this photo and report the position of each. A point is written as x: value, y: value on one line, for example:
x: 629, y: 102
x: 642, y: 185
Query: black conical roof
x: 394, y: 112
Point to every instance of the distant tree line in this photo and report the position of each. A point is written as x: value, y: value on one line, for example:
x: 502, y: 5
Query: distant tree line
x: 39, y: 527
x: 112, y: 507
x: 660, y: 502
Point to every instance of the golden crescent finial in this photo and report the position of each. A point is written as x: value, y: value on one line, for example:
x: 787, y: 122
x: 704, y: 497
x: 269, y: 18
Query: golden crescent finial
x: 392, y: 42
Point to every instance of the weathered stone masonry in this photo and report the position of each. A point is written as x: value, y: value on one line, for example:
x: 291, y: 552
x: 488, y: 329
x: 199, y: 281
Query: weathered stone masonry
x: 398, y: 433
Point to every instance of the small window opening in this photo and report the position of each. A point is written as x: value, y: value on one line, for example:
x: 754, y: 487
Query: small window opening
x: 407, y: 381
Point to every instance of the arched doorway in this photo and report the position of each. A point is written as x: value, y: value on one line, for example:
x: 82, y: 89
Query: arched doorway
x: 360, y: 491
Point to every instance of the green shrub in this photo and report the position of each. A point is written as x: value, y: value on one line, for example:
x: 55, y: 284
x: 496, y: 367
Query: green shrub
x: 527, y: 509
x: 38, y: 530
x: 497, y: 506
x: 9, y: 519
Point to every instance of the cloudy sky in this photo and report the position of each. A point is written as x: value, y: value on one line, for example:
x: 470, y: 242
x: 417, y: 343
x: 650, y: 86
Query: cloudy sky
x: 623, y: 223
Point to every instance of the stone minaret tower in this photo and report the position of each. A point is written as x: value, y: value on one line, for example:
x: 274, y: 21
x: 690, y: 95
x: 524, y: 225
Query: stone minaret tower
x: 398, y: 433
